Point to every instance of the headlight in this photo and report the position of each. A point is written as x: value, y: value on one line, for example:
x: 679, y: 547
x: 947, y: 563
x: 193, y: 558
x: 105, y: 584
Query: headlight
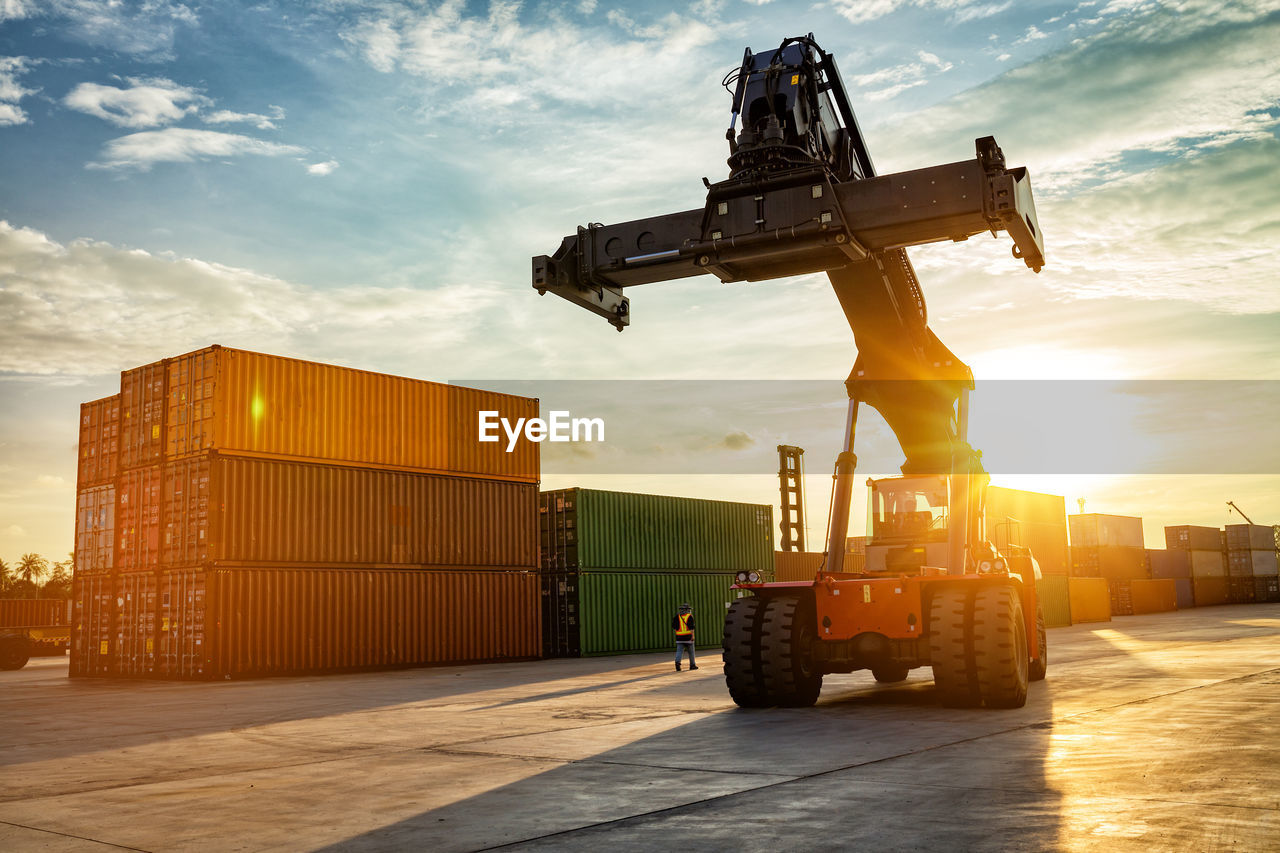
x: 999, y: 565
x: 753, y: 577
x: 984, y: 566
x: 740, y: 577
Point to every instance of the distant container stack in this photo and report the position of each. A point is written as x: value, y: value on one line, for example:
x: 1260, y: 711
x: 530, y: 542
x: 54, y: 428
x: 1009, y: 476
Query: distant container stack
x: 617, y: 565
x: 1031, y: 520
x: 259, y: 515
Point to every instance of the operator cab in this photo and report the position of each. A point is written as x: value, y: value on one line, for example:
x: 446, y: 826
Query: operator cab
x: 906, y: 524
x: 907, y: 520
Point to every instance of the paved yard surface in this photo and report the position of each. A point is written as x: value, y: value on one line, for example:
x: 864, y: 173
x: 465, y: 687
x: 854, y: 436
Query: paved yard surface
x: 1151, y: 733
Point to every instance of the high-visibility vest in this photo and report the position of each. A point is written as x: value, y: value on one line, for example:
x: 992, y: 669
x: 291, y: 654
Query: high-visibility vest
x: 682, y: 629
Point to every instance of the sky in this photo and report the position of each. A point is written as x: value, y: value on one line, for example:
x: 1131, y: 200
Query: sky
x: 364, y: 183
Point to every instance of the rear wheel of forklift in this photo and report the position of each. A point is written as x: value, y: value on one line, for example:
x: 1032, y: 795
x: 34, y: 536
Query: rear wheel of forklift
x: 786, y: 633
x: 1041, y: 666
x: 742, y: 668
x: 1000, y: 647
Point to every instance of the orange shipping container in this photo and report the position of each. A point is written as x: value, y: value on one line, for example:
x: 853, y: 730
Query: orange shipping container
x: 138, y: 492
x: 254, y: 404
x: 797, y: 565
x: 32, y: 612
x: 93, y: 618
x: 1154, y: 596
x: 142, y: 406
x: 255, y: 622
x: 96, y: 529
x: 99, y: 454
x: 1090, y: 600
x: 1208, y: 591
x: 135, y: 621
x: 226, y: 508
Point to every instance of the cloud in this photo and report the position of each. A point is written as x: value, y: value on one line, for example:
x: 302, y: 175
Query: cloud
x: 148, y: 102
x: 498, y: 59
x: 861, y: 11
x: 1149, y: 87
x: 11, y: 91
x: 86, y: 308
x: 183, y: 145
x: 322, y: 169
x: 258, y: 120
x: 889, y: 82
x: 737, y: 440
x: 143, y: 29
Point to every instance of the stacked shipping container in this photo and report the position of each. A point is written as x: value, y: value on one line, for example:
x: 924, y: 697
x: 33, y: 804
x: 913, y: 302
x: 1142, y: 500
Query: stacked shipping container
x: 275, y: 515
x: 1251, y: 562
x: 616, y: 566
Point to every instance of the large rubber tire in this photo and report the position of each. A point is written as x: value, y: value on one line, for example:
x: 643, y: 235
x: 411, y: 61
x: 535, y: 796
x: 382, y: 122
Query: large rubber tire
x: 1000, y: 647
x: 742, y: 669
x: 787, y: 630
x: 955, y: 675
x: 15, y: 651
x: 890, y: 673
x: 1038, y: 668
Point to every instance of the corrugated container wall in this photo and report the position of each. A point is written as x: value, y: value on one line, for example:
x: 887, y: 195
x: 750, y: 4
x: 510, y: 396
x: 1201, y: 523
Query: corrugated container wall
x: 623, y: 612
x: 254, y: 404
x: 96, y: 529
x: 99, y: 446
x: 1208, y: 564
x: 137, y: 612
x: 1241, y: 590
x: 138, y: 499
x: 92, y: 626
x: 1245, y: 564
x: 33, y: 612
x: 1032, y: 520
x: 1185, y: 592
x: 1171, y: 563
x: 1054, y: 593
x: 1250, y: 537
x: 142, y: 408
x: 798, y: 565
x: 1116, y: 562
x: 1097, y: 529
x: 1208, y: 591
x: 1267, y: 589
x: 1154, y: 596
x: 1189, y: 537
x: 1090, y: 600
x: 225, y: 508
x: 257, y: 622
x: 597, y: 530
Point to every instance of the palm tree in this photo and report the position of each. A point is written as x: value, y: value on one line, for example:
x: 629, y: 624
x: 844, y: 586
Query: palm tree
x: 4, y: 576
x: 31, y: 567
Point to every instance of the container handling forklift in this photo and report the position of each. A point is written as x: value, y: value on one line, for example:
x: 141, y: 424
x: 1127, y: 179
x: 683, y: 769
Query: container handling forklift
x: 802, y: 196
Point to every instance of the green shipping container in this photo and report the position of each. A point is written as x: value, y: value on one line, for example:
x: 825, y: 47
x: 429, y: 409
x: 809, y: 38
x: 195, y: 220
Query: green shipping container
x: 612, y: 612
x: 1054, y: 592
x: 597, y: 531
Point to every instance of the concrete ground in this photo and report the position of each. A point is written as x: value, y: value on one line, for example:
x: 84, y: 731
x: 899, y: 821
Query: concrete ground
x: 1151, y: 733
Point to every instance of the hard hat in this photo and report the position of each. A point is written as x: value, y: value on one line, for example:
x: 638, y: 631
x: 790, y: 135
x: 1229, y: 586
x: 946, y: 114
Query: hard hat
x: 686, y: 608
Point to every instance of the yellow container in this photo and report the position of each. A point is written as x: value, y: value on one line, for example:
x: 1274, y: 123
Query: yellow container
x: 1090, y: 600
x: 797, y: 565
x: 250, y: 404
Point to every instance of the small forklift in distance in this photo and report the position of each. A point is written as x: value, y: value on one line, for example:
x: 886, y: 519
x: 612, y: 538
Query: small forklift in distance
x: 803, y: 196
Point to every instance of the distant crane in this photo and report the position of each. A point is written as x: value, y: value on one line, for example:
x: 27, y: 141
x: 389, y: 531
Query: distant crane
x: 1232, y: 504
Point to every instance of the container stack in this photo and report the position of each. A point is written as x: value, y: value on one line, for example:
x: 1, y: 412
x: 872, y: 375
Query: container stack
x: 1030, y: 520
x: 1109, y: 547
x: 617, y: 565
x: 1205, y: 561
x: 1251, y: 562
x: 280, y: 516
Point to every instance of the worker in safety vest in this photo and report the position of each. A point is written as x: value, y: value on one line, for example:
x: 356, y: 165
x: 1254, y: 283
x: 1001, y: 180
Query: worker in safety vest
x: 682, y: 624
